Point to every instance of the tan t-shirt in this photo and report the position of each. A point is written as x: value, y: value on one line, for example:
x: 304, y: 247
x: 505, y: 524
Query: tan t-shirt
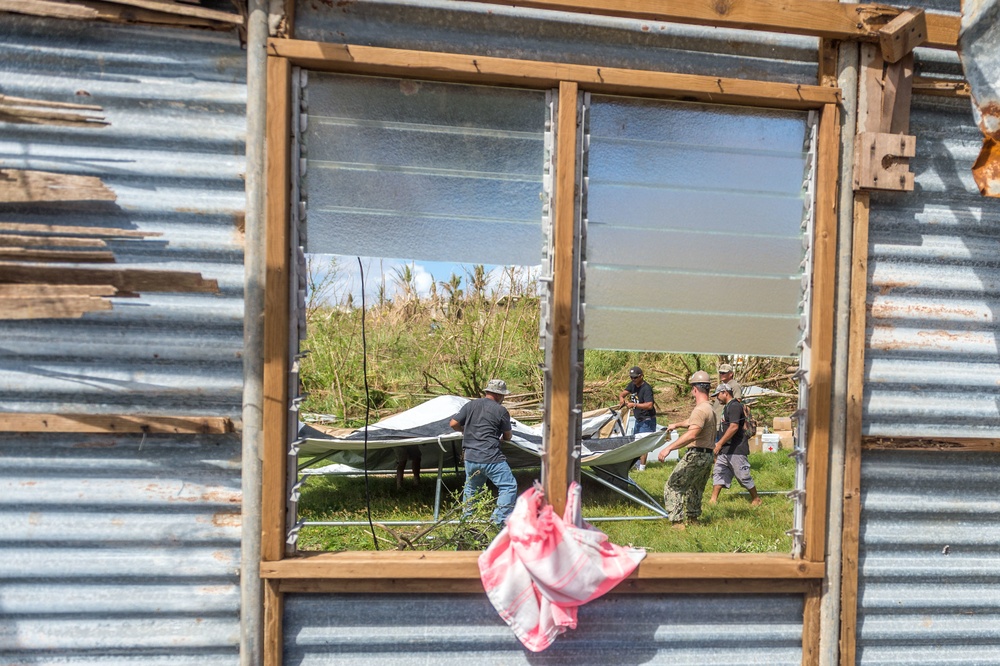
x: 704, y: 416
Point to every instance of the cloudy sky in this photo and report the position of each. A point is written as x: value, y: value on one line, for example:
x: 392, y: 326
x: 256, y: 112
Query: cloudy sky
x: 341, y: 275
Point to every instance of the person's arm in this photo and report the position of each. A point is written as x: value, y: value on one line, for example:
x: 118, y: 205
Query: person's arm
x: 726, y: 436
x: 689, y: 436
x: 455, y: 425
x: 506, y: 436
x: 621, y: 397
x: 686, y: 423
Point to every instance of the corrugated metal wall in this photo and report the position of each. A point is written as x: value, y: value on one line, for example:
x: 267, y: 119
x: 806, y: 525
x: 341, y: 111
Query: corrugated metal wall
x: 436, y: 629
x: 928, y: 591
x: 929, y: 559
x: 932, y: 367
x: 125, y: 549
x: 616, y: 629
x: 172, y: 153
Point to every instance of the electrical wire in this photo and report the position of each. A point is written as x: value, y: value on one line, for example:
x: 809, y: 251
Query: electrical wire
x: 364, y: 370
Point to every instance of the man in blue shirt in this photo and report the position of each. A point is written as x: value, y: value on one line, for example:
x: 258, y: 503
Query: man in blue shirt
x: 484, y: 423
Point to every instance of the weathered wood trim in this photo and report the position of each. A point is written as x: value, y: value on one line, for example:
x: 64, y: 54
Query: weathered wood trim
x: 149, y: 424
x: 475, y: 586
x: 929, y: 85
x: 24, y: 186
x: 463, y: 565
x: 855, y: 409
x: 560, y: 441
x: 182, y: 10
x: 8, y: 253
x: 823, y: 284
x: 276, y: 361
x: 127, y: 281
x: 811, y: 623
x: 274, y: 634
x: 535, y: 74
x: 63, y: 230
x: 799, y: 17
x: 50, y: 307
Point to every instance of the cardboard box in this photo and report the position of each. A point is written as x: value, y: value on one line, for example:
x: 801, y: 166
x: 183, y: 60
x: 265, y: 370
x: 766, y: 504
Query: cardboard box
x: 770, y: 442
x: 786, y: 439
x: 781, y: 423
x: 754, y: 444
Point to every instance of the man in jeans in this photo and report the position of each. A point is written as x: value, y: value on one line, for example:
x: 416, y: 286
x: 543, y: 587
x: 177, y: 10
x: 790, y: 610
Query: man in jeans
x: 484, y: 423
x: 639, y: 396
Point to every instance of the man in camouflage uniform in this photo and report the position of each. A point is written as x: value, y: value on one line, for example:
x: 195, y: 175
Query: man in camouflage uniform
x: 683, y: 490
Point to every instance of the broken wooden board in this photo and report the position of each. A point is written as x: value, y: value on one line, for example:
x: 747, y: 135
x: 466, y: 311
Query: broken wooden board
x: 148, y: 424
x: 128, y: 281
x: 21, y: 186
x: 40, y: 112
x: 50, y: 307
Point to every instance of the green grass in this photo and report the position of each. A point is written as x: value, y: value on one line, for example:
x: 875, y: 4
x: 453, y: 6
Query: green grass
x: 732, y: 525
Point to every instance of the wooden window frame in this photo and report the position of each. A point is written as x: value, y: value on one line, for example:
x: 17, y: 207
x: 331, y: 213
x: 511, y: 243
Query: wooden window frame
x: 451, y: 572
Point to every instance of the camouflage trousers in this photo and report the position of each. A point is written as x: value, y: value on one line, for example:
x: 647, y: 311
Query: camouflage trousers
x: 683, y: 490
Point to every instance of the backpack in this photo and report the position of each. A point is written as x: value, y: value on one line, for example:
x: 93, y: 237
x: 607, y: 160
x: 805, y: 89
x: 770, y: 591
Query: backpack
x: 749, y: 422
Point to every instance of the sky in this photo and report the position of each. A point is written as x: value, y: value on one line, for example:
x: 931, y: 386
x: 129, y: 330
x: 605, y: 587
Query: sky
x: 343, y: 276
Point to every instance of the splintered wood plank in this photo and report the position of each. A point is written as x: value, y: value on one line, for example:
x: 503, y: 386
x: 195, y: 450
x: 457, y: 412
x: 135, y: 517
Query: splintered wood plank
x: 48, y: 8
x: 126, y: 280
x: 536, y: 74
x: 40, y: 112
x: 50, y: 307
x: 115, y: 423
x: 20, y: 186
x: 61, y: 256
x: 53, y: 290
x: 15, y: 240
x: 182, y: 10
x: 56, y: 229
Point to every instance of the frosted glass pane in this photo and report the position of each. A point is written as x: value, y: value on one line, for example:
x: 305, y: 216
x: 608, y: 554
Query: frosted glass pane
x: 429, y: 171
x: 703, y: 253
x: 700, y: 206
x: 662, y: 290
x: 699, y: 333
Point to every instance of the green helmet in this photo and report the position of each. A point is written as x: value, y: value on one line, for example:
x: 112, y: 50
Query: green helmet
x: 700, y: 377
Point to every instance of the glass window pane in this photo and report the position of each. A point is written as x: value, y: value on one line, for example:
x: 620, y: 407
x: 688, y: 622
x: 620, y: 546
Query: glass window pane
x: 700, y: 207
x: 429, y: 171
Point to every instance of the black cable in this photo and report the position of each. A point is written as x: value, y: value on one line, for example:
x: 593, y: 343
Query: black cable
x: 364, y: 367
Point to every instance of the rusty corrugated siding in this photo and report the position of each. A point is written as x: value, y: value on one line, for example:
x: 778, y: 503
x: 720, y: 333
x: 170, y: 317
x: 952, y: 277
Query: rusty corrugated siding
x: 121, y: 548
x: 932, y: 366
x: 172, y: 153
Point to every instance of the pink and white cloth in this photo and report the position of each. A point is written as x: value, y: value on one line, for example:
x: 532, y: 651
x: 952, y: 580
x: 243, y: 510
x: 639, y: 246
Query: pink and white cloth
x: 541, y: 567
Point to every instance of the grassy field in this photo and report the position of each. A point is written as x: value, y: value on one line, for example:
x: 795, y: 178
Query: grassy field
x: 732, y: 525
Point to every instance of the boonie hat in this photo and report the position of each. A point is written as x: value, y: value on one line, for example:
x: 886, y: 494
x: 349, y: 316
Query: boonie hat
x: 722, y: 387
x: 497, y: 386
x: 635, y: 371
x: 725, y: 367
